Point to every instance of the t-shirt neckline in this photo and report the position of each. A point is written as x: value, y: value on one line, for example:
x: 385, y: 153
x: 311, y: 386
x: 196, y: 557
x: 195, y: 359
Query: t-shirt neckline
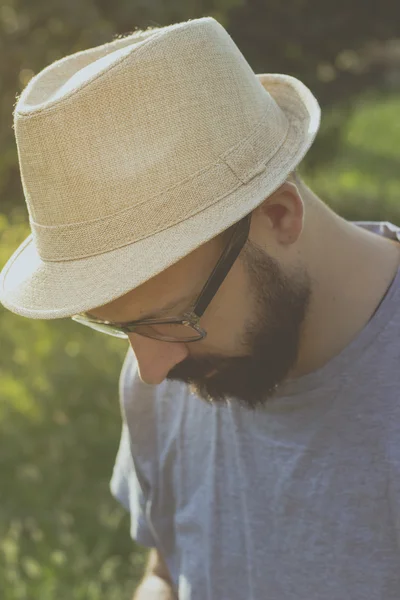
x: 354, y: 350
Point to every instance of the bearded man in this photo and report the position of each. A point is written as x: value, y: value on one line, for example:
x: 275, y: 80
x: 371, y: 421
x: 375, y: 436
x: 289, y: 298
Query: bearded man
x: 260, y: 453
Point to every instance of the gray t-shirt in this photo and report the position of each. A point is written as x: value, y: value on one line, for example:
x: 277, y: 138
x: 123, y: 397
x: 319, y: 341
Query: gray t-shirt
x: 299, y: 500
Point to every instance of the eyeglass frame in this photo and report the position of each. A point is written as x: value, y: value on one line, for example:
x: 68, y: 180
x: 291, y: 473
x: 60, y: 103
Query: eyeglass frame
x: 190, y: 318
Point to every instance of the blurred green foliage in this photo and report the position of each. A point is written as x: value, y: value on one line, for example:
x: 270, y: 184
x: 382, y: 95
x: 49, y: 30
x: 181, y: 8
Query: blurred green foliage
x: 362, y: 182
x: 62, y: 535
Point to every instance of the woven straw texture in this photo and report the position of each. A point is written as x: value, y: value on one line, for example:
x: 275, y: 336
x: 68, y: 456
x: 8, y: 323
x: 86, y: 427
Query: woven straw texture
x: 134, y: 153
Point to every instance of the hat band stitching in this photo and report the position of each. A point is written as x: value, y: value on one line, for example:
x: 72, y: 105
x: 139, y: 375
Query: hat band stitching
x: 57, y: 244
x: 244, y: 143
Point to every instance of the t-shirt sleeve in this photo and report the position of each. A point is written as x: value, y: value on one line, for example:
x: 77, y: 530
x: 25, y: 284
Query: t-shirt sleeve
x: 125, y: 487
x: 129, y: 483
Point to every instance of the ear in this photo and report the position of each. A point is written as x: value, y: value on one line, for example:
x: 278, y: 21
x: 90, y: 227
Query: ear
x: 283, y: 214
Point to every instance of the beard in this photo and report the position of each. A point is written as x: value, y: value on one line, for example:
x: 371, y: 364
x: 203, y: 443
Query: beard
x: 271, y: 338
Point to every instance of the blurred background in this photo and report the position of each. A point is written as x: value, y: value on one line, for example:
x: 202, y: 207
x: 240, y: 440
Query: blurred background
x: 62, y: 535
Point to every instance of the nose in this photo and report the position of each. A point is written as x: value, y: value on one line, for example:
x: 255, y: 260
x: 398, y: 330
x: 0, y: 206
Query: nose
x: 156, y: 358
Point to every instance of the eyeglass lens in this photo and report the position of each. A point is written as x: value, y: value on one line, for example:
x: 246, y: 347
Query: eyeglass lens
x: 162, y: 331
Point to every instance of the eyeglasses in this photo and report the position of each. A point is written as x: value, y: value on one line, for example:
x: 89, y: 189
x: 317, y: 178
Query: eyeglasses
x: 186, y: 327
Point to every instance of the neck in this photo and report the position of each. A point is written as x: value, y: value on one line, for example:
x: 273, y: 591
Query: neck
x: 351, y: 270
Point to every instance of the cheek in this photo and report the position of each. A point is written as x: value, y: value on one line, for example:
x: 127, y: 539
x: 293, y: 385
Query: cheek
x: 225, y: 320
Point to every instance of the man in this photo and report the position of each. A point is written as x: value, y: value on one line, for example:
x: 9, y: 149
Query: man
x: 259, y: 455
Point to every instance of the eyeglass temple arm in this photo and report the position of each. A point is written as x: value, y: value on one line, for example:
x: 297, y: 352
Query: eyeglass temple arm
x: 223, y: 266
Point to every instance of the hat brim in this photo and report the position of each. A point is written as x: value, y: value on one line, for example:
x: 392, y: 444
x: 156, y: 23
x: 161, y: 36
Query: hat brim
x: 37, y: 289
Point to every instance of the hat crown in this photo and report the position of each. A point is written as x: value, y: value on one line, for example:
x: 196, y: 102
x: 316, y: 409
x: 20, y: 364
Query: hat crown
x: 113, y: 128
x: 135, y: 153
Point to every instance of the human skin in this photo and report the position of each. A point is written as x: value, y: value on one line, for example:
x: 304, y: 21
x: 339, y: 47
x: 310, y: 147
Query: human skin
x: 349, y: 267
x: 350, y: 270
x: 156, y: 583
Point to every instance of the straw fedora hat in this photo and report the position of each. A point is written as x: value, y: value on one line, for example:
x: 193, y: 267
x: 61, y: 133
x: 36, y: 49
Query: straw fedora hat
x: 134, y: 153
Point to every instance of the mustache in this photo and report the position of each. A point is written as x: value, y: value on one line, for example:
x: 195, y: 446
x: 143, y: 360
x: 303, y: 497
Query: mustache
x: 218, y: 379
x: 198, y: 369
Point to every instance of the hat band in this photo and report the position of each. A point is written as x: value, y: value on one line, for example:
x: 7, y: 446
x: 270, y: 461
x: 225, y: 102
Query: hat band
x: 249, y: 158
